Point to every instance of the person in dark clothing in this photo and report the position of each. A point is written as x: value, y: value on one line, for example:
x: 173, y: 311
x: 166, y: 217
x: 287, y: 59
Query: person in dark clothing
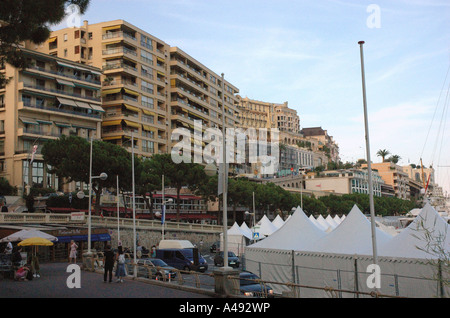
x: 108, y: 263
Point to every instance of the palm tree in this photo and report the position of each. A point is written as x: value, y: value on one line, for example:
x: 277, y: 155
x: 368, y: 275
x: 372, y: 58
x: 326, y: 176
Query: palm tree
x: 395, y: 158
x: 383, y: 153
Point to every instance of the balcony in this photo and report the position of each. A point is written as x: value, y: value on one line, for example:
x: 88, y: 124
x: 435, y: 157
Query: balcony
x: 58, y: 91
x: 58, y: 110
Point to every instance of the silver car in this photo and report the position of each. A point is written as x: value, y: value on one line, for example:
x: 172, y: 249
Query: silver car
x: 155, y: 268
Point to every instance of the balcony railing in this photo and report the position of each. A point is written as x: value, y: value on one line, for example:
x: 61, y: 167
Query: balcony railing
x: 90, y: 80
x: 58, y: 91
x: 62, y: 110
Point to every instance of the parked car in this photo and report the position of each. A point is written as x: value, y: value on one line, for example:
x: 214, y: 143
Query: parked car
x: 155, y: 268
x: 215, y: 247
x: 250, y: 287
x: 183, y: 259
x: 233, y: 260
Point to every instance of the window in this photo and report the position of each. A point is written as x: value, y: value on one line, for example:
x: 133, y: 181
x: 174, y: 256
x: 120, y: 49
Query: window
x: 147, y: 57
x: 77, y: 34
x: 77, y: 49
x: 90, y: 36
x: 26, y: 99
x: 146, y: 86
x: 65, y: 37
x: 65, y: 52
x: 147, y: 102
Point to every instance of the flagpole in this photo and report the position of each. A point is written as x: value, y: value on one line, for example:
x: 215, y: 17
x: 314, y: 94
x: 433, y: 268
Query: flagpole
x: 134, y: 207
x: 163, y: 209
x: 369, y: 165
x: 118, y: 211
x: 224, y: 181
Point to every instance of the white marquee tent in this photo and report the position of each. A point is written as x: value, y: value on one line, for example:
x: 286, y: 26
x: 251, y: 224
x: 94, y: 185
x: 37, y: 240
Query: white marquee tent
x: 237, y: 239
x: 296, y: 234
x: 264, y: 227
x: 340, y: 258
x: 248, y: 233
x: 427, y: 237
x: 278, y: 222
x: 352, y: 236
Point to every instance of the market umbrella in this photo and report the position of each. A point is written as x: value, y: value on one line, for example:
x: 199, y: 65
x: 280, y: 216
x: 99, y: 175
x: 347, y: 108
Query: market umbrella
x: 34, y: 241
x: 28, y: 233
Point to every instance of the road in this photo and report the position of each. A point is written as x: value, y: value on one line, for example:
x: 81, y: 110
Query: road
x: 53, y: 284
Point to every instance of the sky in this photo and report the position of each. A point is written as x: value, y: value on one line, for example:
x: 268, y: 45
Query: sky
x: 307, y: 53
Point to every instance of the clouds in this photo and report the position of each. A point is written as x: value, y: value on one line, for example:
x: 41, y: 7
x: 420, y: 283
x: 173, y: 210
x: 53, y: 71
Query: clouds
x: 306, y: 53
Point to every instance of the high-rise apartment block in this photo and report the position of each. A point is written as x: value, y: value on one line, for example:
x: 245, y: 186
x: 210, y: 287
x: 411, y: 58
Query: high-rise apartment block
x: 50, y: 98
x: 148, y: 87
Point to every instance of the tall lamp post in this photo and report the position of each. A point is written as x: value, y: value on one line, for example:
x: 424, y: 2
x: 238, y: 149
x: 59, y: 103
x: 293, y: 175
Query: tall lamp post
x: 103, y: 176
x: 369, y: 166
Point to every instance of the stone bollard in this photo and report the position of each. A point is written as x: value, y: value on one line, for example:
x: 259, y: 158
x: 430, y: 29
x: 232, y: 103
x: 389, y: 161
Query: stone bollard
x: 88, y: 261
x: 225, y: 286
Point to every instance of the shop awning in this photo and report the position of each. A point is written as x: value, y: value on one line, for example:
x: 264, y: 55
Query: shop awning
x: 68, y: 102
x: 97, y: 108
x: 112, y: 138
x: 129, y: 91
x: 53, y: 39
x: 30, y: 121
x: 83, y: 105
x: 111, y: 122
x: 103, y: 237
x: 132, y: 108
x: 114, y: 27
x: 111, y: 91
x: 132, y: 124
x: 149, y: 128
x: 147, y: 112
x: 64, y: 82
x: 59, y: 124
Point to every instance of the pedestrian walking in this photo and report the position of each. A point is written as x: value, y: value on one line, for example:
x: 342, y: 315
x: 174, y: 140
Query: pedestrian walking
x: 108, y: 263
x: 73, y: 252
x: 120, y: 271
x: 9, y: 248
x: 4, y: 208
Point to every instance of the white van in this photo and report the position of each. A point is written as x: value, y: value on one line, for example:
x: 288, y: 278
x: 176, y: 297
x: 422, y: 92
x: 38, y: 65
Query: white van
x: 164, y: 244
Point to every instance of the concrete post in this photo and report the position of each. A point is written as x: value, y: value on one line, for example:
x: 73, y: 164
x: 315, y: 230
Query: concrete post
x: 224, y: 285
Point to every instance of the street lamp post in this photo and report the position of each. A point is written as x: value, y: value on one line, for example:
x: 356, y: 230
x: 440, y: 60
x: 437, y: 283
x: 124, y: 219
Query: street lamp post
x: 102, y: 176
x: 369, y: 167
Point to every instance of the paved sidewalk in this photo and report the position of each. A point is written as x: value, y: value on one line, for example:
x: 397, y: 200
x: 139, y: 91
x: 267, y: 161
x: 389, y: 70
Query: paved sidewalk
x: 52, y: 284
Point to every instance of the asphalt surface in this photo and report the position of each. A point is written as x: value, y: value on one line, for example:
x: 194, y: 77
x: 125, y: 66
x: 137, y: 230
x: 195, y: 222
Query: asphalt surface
x: 53, y: 284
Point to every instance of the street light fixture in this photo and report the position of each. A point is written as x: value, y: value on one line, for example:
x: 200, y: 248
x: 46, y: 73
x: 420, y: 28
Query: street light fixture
x: 103, y: 176
x: 254, y: 223
x: 162, y: 214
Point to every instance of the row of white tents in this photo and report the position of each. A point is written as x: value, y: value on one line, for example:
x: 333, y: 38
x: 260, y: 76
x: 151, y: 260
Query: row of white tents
x: 407, y: 260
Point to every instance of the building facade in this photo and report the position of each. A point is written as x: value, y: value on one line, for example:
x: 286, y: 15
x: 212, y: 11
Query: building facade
x: 148, y: 87
x: 50, y: 98
x: 394, y: 176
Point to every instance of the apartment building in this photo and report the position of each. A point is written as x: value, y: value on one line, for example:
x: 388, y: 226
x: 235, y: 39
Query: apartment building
x: 50, y: 98
x: 344, y: 182
x: 256, y: 114
x: 325, y: 141
x: 197, y: 94
x: 287, y: 118
x: 134, y: 81
x: 394, y: 176
x: 148, y: 87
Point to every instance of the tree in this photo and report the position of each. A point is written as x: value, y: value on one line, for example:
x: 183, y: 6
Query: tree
x: 69, y: 158
x: 394, y: 158
x: 28, y: 20
x: 383, y: 153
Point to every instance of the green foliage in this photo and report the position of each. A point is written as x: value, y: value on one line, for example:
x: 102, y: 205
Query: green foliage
x: 6, y: 188
x: 28, y: 20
